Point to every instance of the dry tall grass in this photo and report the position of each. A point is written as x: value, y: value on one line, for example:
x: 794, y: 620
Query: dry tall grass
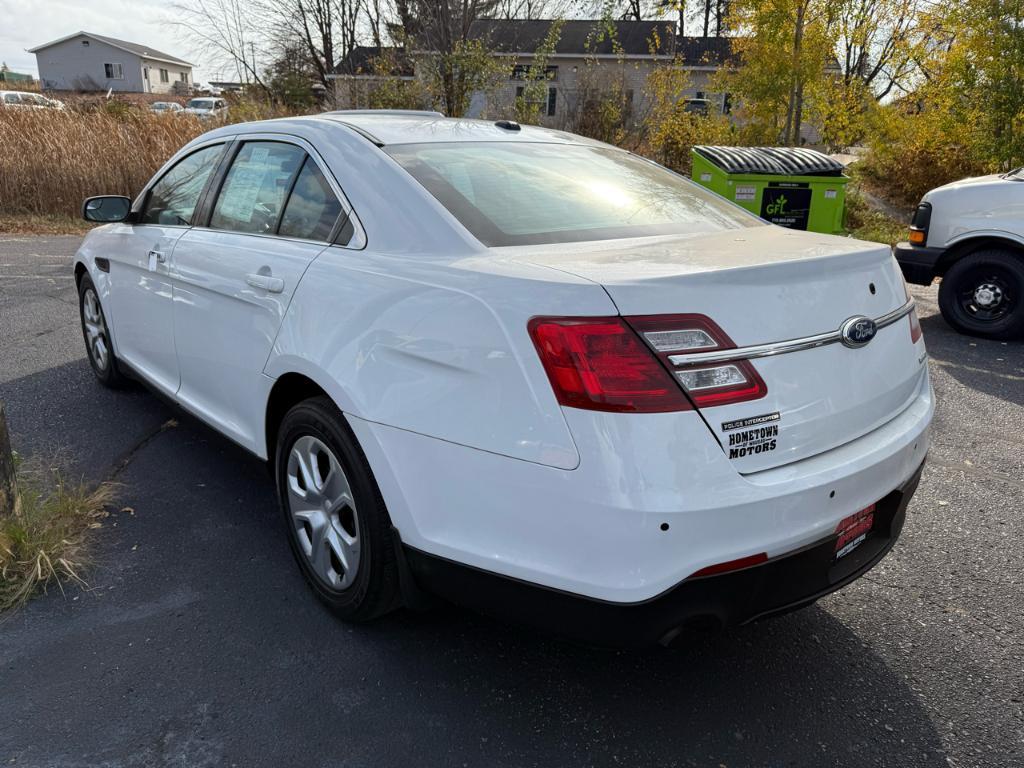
x: 45, y: 541
x: 51, y: 160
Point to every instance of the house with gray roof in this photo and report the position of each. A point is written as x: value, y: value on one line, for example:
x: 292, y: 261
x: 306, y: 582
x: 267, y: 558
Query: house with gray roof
x: 588, y: 54
x: 85, y: 61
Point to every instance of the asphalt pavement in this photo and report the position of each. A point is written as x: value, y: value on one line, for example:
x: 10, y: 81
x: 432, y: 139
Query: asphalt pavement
x: 197, y: 643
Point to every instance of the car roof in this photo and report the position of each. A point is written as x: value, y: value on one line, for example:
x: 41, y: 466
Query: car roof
x: 387, y: 127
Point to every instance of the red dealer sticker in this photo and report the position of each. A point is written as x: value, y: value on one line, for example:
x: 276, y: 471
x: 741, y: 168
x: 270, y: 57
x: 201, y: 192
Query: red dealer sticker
x: 852, y: 530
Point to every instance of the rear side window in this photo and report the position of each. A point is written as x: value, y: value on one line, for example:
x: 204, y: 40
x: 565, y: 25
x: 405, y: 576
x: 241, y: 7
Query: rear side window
x: 12, y: 98
x: 173, y: 199
x: 255, y: 189
x: 312, y: 208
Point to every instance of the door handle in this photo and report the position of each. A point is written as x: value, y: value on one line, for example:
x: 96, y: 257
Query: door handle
x: 157, y: 256
x: 266, y: 282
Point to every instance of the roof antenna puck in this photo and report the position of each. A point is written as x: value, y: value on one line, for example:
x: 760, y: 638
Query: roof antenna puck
x: 508, y: 125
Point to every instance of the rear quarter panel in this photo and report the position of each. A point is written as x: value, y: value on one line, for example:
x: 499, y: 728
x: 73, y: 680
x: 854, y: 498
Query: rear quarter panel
x: 437, y: 347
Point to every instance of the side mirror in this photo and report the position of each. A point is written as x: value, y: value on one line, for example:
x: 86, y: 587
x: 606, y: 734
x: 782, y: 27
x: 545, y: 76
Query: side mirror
x: 105, y: 209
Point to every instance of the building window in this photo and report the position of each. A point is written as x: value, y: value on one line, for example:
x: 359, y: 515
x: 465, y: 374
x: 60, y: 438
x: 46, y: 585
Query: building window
x: 164, y: 76
x: 113, y: 71
x: 727, y: 104
x: 183, y: 77
x: 700, y: 94
x: 145, y: 73
x: 85, y: 43
x: 552, y: 95
x: 522, y: 72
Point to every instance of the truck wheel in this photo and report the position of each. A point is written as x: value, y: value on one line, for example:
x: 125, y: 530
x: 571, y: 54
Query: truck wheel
x: 982, y: 294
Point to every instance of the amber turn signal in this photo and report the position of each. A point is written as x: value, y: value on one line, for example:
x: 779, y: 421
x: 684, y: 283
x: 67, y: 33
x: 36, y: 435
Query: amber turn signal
x: 916, y: 237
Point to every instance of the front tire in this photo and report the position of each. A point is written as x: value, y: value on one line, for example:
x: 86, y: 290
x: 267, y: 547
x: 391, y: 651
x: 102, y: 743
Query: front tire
x: 96, y: 334
x: 982, y: 294
x: 338, y: 526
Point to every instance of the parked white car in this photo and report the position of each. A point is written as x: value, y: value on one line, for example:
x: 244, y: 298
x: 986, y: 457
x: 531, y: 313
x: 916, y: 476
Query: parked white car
x: 166, y: 107
x: 207, y: 108
x: 519, y: 368
x: 971, y: 234
x: 27, y: 100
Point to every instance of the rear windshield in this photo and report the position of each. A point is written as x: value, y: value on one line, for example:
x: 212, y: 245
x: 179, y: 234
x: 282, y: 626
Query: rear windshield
x: 526, y: 194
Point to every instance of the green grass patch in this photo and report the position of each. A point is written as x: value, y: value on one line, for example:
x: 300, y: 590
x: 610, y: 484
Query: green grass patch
x: 867, y: 223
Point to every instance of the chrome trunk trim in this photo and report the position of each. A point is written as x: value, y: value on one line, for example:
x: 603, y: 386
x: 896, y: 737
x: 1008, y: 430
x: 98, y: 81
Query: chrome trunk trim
x: 784, y: 347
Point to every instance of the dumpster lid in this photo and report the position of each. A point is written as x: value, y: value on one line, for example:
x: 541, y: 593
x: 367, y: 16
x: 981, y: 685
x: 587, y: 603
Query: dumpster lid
x: 777, y: 161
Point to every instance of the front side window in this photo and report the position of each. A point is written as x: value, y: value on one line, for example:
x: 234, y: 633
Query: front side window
x: 113, y: 71
x: 12, y: 98
x: 255, y: 188
x: 519, y: 193
x: 312, y: 208
x: 173, y: 199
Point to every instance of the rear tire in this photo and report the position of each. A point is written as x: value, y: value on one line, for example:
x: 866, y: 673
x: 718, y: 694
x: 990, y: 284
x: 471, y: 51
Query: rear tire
x: 96, y: 334
x: 982, y: 294
x: 338, y: 526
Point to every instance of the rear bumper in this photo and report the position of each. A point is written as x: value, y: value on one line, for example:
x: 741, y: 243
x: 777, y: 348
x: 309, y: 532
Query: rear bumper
x: 782, y: 584
x: 917, y: 262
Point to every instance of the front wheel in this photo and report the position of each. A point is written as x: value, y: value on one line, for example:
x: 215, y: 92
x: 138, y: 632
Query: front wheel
x: 338, y: 526
x: 97, y: 336
x: 982, y: 294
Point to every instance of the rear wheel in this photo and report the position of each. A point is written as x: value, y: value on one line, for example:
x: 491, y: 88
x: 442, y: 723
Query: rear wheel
x: 338, y: 526
x: 982, y: 294
x: 97, y: 336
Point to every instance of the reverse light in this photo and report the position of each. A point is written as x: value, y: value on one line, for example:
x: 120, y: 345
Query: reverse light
x: 600, y: 364
x: 711, y: 378
x: 672, y: 337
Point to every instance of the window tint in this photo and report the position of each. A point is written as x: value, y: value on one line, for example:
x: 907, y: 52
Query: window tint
x: 173, y: 199
x: 523, y: 193
x: 312, y: 208
x: 255, y: 188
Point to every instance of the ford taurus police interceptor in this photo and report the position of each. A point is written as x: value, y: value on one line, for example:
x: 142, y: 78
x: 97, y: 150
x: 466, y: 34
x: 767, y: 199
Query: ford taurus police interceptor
x: 521, y: 369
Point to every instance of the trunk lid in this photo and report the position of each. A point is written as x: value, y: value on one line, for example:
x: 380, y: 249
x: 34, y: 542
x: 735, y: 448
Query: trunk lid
x: 765, y: 285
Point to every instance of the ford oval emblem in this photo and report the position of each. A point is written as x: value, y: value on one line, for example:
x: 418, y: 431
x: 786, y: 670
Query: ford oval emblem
x: 857, y: 331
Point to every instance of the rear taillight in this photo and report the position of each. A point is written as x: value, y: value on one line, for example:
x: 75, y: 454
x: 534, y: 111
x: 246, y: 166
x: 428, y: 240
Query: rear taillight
x: 915, y: 327
x: 600, y: 364
x: 673, y: 337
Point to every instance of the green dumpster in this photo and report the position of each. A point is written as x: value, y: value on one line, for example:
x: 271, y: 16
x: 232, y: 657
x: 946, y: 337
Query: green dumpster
x: 789, y: 186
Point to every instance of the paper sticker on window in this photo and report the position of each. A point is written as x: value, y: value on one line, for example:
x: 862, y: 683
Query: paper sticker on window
x: 830, y: 194
x: 705, y: 177
x: 746, y: 193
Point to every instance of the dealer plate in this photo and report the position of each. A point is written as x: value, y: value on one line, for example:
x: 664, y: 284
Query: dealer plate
x: 853, y: 530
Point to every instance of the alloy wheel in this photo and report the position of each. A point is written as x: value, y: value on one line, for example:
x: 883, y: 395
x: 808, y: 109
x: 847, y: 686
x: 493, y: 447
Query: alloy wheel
x: 96, y: 334
x: 323, y: 512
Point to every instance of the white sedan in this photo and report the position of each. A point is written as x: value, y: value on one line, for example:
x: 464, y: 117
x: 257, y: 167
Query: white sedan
x: 521, y: 369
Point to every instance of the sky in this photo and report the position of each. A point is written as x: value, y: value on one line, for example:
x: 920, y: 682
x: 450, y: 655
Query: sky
x: 28, y: 23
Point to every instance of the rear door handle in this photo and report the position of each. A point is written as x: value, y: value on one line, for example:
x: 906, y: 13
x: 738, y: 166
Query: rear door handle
x: 157, y: 256
x: 266, y: 282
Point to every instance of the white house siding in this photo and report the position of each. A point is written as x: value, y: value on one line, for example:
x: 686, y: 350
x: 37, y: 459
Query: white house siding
x: 71, y: 66
x: 153, y: 83
x: 576, y: 73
